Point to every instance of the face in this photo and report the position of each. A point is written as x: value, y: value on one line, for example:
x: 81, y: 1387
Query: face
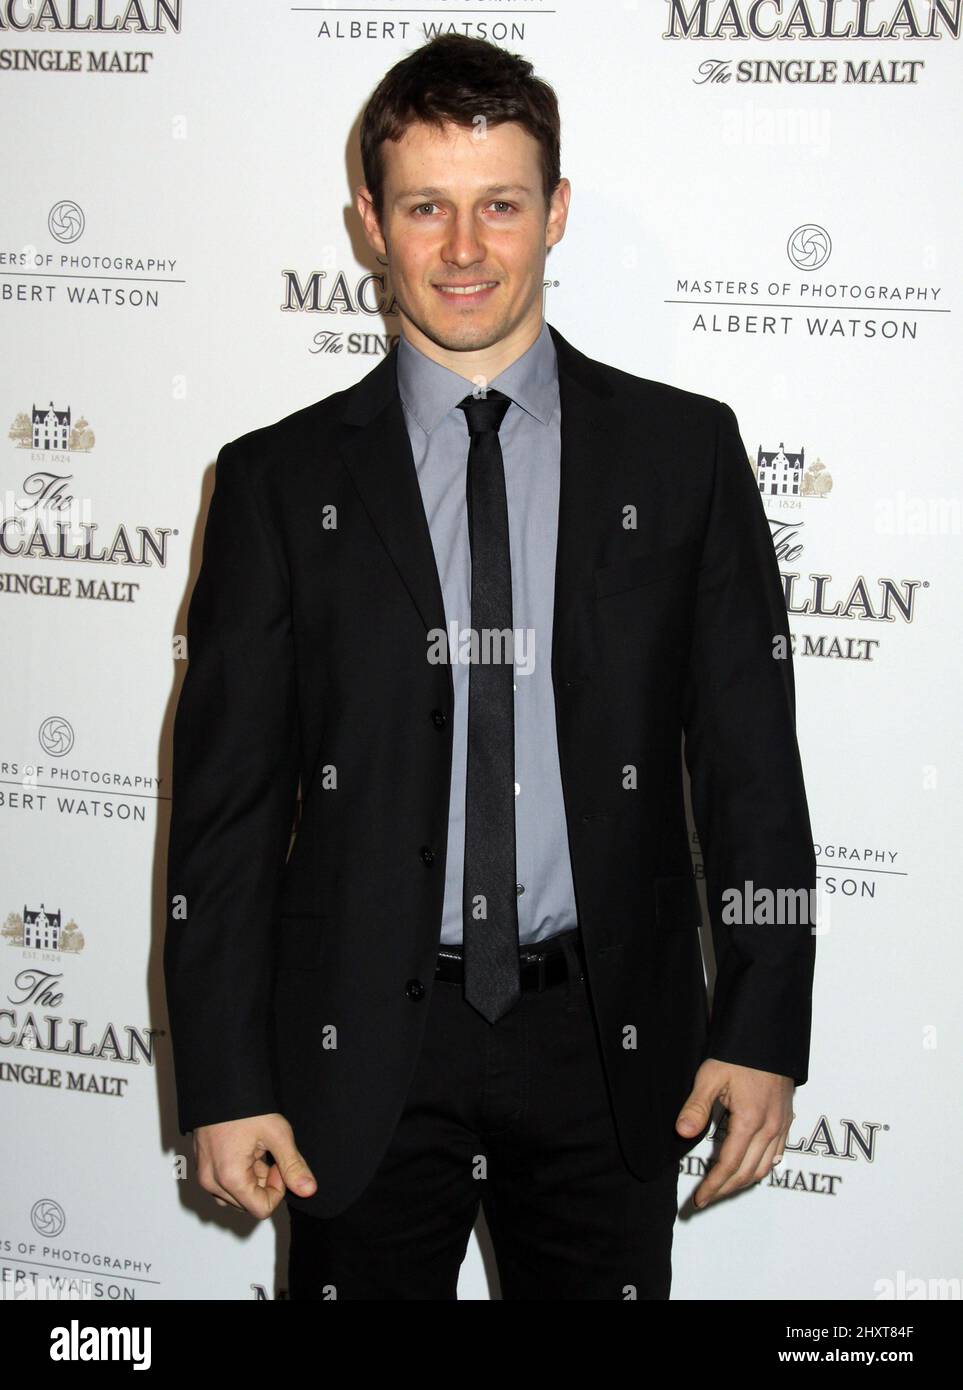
x: 465, y: 230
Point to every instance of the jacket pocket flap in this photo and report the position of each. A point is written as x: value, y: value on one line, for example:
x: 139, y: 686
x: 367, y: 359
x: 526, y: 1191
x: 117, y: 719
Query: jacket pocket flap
x: 634, y: 570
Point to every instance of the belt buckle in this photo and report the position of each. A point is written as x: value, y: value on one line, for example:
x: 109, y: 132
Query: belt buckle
x: 537, y: 958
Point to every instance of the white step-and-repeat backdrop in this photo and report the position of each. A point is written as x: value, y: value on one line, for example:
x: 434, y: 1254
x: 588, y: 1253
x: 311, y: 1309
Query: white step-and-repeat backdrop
x: 766, y: 197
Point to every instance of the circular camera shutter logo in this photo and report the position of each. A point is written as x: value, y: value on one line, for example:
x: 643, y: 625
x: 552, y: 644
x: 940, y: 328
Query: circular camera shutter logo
x: 56, y: 736
x: 47, y: 1217
x: 809, y: 247
x: 66, y: 221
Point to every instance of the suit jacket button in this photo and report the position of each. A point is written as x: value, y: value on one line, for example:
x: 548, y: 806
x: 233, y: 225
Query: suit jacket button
x: 439, y: 718
x: 427, y: 854
x: 415, y: 989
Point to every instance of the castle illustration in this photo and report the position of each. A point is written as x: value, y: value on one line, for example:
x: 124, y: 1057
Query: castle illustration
x: 41, y: 929
x: 780, y: 474
x: 51, y: 428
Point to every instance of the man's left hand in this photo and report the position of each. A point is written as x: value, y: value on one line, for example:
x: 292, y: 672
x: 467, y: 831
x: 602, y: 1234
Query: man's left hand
x: 760, y: 1113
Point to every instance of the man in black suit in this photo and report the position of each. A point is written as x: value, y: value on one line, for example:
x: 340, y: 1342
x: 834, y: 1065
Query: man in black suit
x: 472, y: 604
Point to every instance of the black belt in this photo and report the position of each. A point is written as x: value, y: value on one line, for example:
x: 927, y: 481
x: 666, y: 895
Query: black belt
x: 540, y: 966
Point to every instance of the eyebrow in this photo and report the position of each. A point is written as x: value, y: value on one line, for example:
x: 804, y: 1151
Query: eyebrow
x: 491, y: 191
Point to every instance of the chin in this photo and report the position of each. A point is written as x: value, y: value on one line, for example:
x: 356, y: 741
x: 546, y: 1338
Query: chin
x: 469, y: 339
x: 465, y: 337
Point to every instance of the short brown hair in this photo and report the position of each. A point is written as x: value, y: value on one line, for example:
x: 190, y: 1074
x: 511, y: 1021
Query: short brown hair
x: 456, y: 78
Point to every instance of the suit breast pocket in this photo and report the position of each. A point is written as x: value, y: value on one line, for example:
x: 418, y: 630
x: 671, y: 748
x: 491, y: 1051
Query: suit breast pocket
x: 645, y: 567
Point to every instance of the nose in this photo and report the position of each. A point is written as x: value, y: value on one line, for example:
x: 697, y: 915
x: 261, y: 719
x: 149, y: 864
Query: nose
x: 462, y: 246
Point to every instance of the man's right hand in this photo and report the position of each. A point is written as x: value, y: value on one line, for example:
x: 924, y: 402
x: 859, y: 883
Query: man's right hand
x: 232, y: 1167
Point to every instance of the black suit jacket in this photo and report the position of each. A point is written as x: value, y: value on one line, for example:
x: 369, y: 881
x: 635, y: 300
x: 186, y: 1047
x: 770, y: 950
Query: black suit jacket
x: 299, y: 977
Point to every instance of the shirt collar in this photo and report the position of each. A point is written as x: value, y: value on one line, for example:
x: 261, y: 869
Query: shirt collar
x: 429, y: 390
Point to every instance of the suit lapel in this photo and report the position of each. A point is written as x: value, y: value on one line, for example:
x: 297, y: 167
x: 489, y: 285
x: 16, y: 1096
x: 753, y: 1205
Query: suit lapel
x: 377, y: 452
x: 588, y: 418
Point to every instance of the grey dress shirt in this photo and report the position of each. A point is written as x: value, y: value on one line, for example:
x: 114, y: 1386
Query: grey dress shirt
x: 531, y: 447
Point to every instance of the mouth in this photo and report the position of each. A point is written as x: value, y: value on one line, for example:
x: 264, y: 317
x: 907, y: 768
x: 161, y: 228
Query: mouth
x: 467, y: 294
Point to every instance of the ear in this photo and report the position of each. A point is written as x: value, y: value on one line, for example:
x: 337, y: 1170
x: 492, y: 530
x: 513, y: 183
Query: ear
x: 369, y: 218
x: 558, y: 212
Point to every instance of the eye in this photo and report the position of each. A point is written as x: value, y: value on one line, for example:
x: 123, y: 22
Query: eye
x: 502, y: 208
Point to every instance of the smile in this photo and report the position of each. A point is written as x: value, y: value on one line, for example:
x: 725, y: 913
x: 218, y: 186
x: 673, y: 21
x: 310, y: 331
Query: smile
x: 468, y: 291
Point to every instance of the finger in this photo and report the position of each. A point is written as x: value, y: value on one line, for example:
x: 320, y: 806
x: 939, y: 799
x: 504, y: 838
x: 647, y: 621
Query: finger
x: 773, y: 1151
x: 696, y: 1112
x: 764, y: 1146
x: 753, y: 1158
x: 266, y: 1198
x: 294, y: 1171
x: 208, y: 1179
x: 776, y: 1148
x: 275, y: 1180
x: 239, y: 1186
x: 220, y: 1194
x: 276, y: 1188
x: 730, y: 1157
x: 779, y: 1143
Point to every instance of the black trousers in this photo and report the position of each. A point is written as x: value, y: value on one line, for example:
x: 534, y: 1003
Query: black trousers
x: 514, y: 1116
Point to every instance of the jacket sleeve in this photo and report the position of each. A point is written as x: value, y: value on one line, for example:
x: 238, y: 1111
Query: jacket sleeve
x: 748, y: 794
x: 233, y: 788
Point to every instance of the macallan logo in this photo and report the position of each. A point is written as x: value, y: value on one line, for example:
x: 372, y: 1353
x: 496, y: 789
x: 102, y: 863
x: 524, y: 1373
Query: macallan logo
x: 41, y: 929
x: 328, y: 340
x: 49, y: 522
x: 851, y: 1141
x: 92, y: 16
x: 37, y: 991
x: 320, y: 294
x: 783, y: 473
x: 37, y: 538
x: 859, y: 600
x: 51, y: 428
x: 813, y: 19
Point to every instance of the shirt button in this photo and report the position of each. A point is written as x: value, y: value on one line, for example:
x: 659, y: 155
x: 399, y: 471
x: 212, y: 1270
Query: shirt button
x: 519, y: 888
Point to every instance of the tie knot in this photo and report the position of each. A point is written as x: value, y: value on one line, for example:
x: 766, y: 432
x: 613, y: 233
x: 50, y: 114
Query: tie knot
x: 485, y: 412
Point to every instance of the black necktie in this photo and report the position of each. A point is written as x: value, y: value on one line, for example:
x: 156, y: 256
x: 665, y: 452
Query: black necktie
x: 490, y: 908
